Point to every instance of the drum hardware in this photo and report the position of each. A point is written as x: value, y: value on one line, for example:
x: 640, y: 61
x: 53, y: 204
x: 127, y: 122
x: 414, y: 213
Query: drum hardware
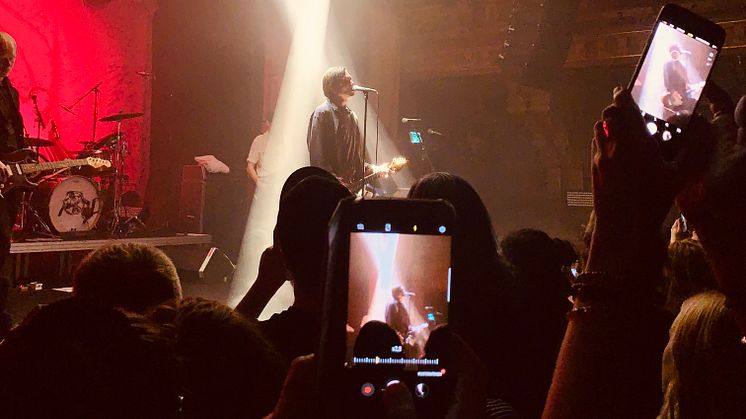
x: 120, y: 227
x: 106, y: 141
x: 31, y: 223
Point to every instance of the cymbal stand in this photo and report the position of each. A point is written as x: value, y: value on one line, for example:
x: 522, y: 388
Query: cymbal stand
x: 118, y: 162
x: 119, y: 226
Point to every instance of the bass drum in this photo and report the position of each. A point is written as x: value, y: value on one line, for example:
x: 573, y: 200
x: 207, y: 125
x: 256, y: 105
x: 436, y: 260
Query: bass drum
x: 69, y: 203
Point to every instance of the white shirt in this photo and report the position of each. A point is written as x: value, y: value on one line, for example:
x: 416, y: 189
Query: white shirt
x: 256, y: 152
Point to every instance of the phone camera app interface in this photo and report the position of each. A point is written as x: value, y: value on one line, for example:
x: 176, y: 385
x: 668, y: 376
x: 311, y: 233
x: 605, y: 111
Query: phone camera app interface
x: 671, y: 79
x: 398, y: 294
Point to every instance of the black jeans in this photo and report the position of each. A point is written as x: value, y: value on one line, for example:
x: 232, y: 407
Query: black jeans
x: 8, y: 211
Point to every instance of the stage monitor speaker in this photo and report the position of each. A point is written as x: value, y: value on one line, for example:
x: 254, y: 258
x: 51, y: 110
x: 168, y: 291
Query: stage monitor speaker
x: 192, y: 200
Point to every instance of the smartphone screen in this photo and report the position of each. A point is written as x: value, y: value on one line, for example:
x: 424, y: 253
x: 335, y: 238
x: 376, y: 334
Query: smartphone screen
x: 398, y: 293
x: 415, y: 137
x: 672, y: 76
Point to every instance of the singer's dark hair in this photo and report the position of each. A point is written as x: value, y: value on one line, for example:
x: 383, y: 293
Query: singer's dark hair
x: 332, y: 76
x: 397, y: 291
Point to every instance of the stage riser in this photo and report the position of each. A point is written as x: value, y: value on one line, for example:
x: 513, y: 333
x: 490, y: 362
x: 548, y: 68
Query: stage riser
x: 49, y: 264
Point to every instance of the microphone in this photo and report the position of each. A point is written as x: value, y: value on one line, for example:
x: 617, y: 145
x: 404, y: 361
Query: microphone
x: 363, y: 89
x: 405, y: 120
x: 409, y: 293
x: 433, y: 132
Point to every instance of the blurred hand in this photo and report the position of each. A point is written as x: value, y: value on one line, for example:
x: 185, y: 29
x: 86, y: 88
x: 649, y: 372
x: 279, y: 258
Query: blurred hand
x: 271, y: 276
x: 676, y: 230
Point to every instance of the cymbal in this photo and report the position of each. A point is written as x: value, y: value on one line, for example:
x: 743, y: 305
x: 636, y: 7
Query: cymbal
x: 37, y: 142
x: 121, y: 117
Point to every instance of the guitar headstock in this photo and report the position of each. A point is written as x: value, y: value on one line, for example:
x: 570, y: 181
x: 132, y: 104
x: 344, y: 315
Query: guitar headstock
x: 97, y: 163
x: 397, y: 163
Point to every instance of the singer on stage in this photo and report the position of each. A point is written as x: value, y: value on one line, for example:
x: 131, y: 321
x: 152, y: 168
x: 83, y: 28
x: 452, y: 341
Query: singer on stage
x: 397, y: 316
x: 334, y: 140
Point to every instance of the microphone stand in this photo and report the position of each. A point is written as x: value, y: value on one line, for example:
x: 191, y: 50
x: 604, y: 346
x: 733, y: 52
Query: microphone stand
x: 424, y: 157
x: 365, y: 134
x: 96, y: 91
x: 39, y: 125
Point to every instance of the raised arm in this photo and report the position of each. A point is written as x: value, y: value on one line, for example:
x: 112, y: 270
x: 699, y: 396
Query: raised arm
x: 609, y: 364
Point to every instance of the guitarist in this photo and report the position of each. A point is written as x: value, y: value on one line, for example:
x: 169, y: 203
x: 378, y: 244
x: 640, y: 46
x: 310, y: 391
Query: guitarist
x: 11, y: 139
x: 334, y: 140
x: 676, y: 81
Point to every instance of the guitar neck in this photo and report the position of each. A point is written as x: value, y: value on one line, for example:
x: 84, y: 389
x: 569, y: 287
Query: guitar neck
x: 53, y: 165
x: 358, y: 184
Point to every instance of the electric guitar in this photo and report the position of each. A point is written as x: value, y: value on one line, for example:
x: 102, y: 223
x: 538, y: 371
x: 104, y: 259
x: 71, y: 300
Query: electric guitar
x: 21, y: 166
x: 396, y: 164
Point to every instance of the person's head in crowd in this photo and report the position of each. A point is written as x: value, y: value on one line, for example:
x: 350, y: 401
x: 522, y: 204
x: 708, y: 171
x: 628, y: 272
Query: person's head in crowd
x: 79, y: 359
x: 566, y: 254
x: 475, y: 254
x: 704, y: 364
x: 300, y: 174
x: 130, y: 276
x: 482, y: 311
x: 376, y: 338
x: 740, y: 117
x: 688, y: 272
x: 301, y: 230
x: 538, y: 260
x: 228, y: 369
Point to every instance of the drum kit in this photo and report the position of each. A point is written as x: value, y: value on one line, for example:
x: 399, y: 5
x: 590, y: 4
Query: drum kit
x: 82, y: 200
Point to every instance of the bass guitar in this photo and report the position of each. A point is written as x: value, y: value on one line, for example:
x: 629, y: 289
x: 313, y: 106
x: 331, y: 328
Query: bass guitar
x: 21, y: 166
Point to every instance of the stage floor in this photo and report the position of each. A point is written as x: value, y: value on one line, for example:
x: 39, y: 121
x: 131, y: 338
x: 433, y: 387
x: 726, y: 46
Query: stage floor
x: 51, y: 263
x: 41, y: 246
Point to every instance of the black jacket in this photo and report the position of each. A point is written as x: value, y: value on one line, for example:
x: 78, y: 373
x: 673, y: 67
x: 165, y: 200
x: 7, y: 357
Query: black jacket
x: 11, y: 121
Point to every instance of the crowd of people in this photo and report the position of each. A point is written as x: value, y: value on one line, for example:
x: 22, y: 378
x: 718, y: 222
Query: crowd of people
x: 645, y: 322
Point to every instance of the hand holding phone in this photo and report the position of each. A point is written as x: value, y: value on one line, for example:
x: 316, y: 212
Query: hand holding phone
x: 673, y: 70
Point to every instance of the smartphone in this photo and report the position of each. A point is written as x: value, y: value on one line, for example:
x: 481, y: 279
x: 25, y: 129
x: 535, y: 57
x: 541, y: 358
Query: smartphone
x: 682, y: 221
x: 673, y: 70
x: 388, y: 287
x: 415, y: 137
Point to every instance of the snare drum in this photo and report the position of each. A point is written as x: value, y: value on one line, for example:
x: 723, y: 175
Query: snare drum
x: 69, y: 203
